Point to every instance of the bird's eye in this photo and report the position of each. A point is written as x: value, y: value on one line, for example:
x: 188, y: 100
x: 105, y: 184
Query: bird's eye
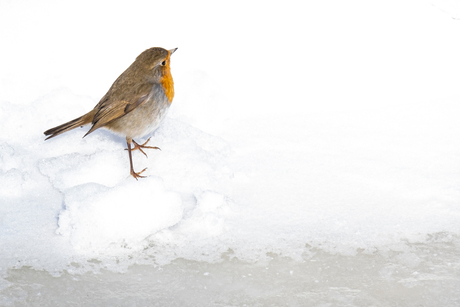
x: 163, y: 63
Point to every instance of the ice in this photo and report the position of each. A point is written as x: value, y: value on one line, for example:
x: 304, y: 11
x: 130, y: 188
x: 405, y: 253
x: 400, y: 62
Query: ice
x: 310, y: 156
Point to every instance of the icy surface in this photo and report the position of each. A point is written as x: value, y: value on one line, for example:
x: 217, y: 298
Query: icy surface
x: 311, y: 156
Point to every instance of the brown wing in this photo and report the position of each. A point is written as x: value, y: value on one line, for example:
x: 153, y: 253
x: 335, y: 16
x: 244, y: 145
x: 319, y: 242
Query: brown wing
x: 117, y: 103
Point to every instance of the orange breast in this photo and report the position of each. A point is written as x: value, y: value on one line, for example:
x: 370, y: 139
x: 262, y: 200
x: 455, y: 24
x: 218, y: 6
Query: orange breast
x: 167, y: 82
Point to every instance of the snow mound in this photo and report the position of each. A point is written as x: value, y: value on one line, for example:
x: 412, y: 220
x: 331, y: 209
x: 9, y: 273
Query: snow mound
x: 98, y: 218
x: 78, y: 193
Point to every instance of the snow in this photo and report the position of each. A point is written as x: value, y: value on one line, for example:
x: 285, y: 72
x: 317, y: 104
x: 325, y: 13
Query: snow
x: 308, y: 145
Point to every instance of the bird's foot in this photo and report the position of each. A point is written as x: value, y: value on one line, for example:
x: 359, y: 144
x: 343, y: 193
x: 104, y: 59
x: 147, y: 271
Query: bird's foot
x: 137, y: 175
x: 139, y: 147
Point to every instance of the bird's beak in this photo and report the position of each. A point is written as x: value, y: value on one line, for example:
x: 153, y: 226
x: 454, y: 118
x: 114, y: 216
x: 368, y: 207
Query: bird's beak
x: 172, y: 50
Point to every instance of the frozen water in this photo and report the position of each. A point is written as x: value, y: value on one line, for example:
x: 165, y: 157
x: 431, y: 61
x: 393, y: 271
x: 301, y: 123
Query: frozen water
x: 310, y: 157
x: 416, y: 278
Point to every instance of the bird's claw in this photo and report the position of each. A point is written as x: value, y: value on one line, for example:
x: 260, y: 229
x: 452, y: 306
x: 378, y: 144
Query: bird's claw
x: 138, y: 175
x: 139, y: 147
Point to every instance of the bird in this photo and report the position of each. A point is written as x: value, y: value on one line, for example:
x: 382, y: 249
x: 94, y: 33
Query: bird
x: 135, y: 104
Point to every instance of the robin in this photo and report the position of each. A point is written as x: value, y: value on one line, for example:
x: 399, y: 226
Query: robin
x: 135, y: 104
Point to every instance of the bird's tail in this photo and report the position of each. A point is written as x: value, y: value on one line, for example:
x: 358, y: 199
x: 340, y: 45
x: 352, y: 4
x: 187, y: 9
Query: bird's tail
x: 77, y: 122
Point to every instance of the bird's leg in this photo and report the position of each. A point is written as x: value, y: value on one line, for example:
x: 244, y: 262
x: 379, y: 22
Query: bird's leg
x: 133, y: 173
x: 137, y: 146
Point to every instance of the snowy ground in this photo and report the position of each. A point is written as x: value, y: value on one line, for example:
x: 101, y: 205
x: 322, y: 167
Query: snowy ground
x: 310, y: 158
